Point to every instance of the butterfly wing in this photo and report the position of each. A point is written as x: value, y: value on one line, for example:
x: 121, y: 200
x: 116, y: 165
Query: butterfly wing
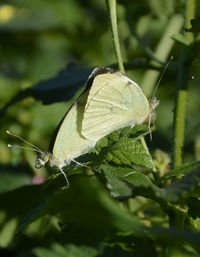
x: 67, y: 142
x: 114, y: 101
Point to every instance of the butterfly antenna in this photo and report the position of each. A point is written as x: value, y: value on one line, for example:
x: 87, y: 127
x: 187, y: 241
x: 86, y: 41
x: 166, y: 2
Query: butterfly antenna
x: 154, y: 92
x: 149, y: 126
x: 34, y: 147
x: 22, y: 147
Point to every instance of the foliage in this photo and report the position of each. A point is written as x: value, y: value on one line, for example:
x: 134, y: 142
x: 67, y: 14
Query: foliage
x: 133, y: 200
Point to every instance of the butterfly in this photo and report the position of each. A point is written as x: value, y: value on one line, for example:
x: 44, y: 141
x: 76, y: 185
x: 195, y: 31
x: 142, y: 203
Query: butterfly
x: 109, y: 102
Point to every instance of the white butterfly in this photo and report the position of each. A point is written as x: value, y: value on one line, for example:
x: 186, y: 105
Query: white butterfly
x: 109, y: 102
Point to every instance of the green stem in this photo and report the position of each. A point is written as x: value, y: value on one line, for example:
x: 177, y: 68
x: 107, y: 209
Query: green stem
x: 176, y: 220
x: 113, y: 20
x: 182, y: 85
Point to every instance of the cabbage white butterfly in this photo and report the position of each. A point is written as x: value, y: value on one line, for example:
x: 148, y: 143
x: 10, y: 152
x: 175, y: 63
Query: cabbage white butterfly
x: 110, y: 101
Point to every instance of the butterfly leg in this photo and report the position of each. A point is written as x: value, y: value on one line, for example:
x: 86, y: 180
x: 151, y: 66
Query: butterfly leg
x: 128, y: 131
x: 152, y: 118
x: 80, y: 164
x: 64, y: 176
x: 149, y: 127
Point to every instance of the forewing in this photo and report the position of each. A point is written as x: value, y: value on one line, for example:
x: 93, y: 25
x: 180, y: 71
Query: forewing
x: 114, y: 101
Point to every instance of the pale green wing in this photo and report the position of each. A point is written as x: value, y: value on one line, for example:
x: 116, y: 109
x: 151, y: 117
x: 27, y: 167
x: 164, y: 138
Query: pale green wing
x: 68, y: 142
x: 114, y: 101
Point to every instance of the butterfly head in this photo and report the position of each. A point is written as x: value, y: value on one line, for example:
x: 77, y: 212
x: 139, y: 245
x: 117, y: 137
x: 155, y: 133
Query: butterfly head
x: 43, y: 159
x: 47, y: 157
x: 153, y: 102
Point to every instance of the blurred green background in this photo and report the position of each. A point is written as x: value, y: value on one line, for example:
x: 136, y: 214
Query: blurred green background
x: 41, y: 38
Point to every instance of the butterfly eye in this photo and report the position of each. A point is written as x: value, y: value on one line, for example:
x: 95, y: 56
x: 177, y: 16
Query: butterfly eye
x: 38, y: 164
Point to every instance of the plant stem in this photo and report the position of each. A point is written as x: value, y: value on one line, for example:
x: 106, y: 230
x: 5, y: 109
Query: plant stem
x: 113, y: 20
x: 182, y: 85
x: 176, y: 220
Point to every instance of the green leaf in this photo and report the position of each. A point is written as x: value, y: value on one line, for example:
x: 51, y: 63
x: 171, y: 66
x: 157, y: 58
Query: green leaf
x: 122, y: 146
x: 20, y: 201
x: 87, y: 205
x: 196, y: 223
x: 183, y: 169
x: 69, y: 250
x: 116, y: 171
x: 121, y: 246
x: 7, y: 232
x: 165, y: 236
x: 10, y: 181
x: 185, y: 187
x: 181, y: 39
x: 129, y: 151
x: 114, y: 177
x: 125, y: 182
x: 135, y: 132
x: 136, y: 178
x: 59, y: 88
x: 142, y: 186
